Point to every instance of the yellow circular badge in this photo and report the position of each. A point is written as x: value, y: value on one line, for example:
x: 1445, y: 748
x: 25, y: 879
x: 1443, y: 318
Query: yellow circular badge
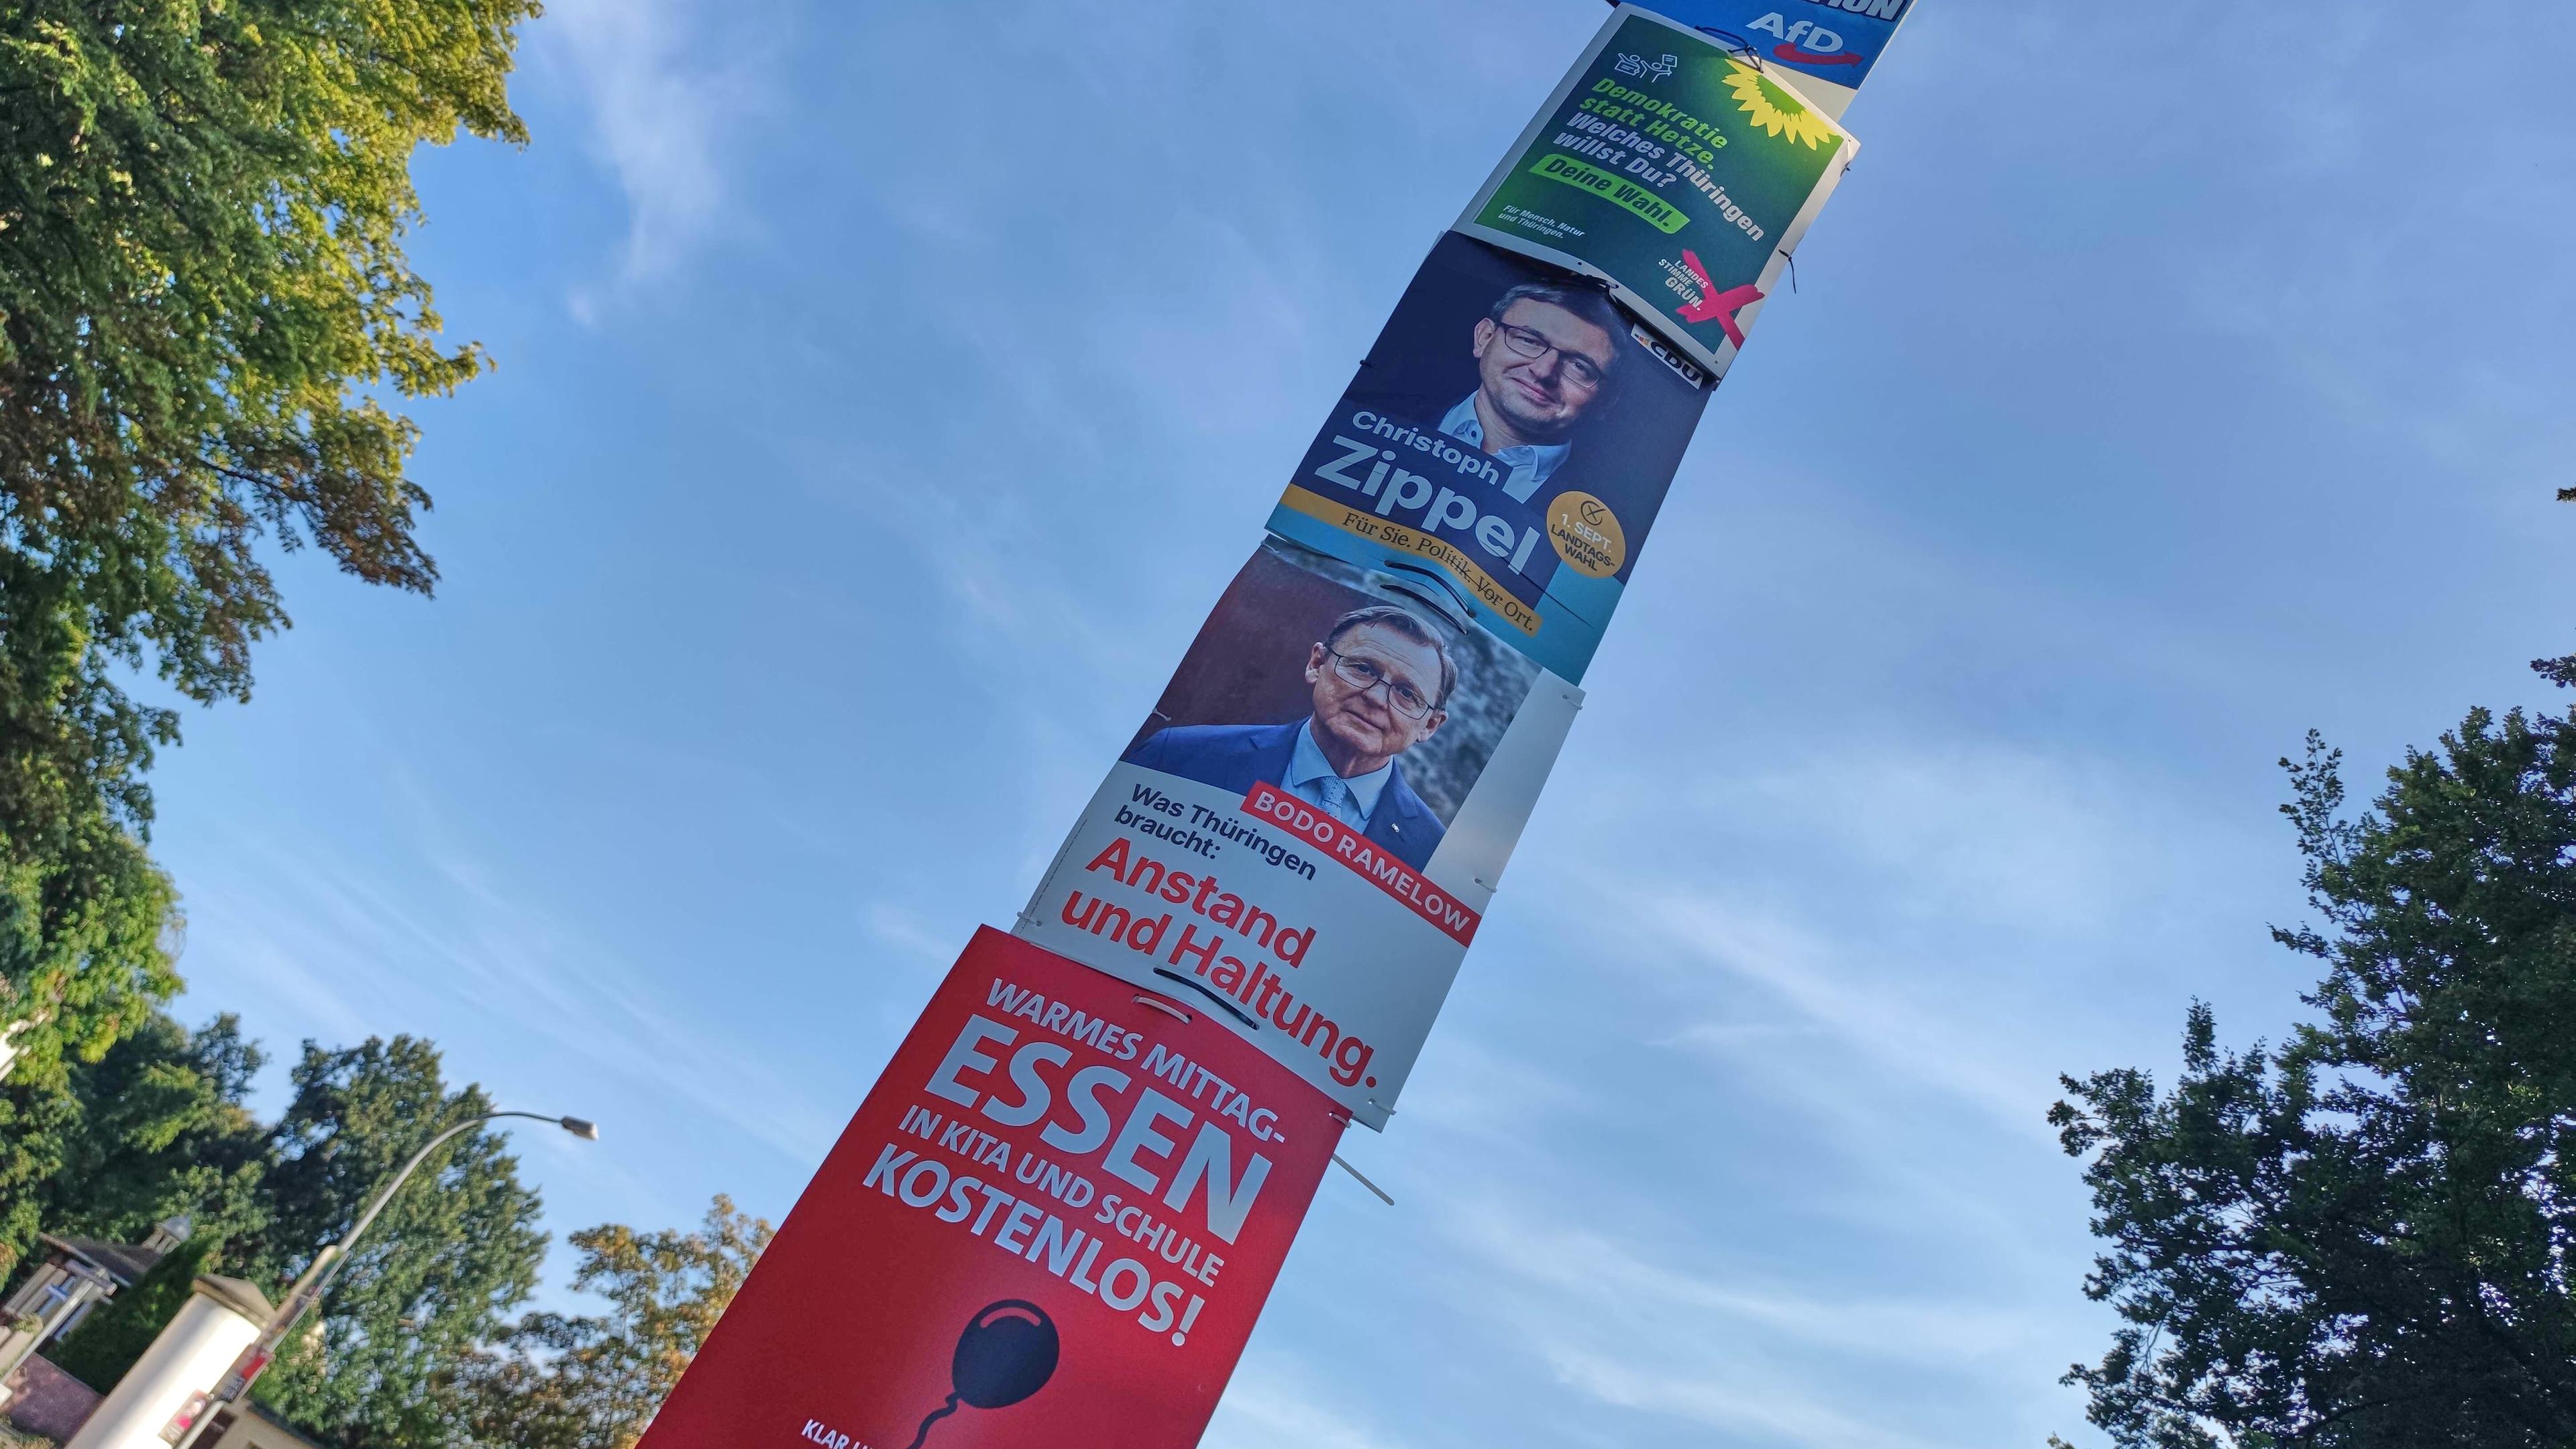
x: 1587, y: 535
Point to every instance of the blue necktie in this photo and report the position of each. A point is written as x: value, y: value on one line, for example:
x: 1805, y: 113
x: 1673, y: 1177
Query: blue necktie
x: 1339, y: 800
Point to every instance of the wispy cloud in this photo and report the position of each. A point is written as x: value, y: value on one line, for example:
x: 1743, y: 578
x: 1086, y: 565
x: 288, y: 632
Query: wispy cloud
x: 904, y: 930
x: 1895, y: 902
x: 662, y: 112
x: 1581, y: 1264
x: 1901, y: 1031
x: 1482, y: 1095
x: 1275, y: 1408
x: 1633, y: 1325
x: 353, y: 954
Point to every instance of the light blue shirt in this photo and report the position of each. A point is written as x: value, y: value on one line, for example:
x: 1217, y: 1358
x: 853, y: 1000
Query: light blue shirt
x: 1531, y: 463
x: 1307, y: 769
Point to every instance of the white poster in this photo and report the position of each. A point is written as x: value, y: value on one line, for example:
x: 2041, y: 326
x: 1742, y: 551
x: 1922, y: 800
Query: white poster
x: 1301, y: 840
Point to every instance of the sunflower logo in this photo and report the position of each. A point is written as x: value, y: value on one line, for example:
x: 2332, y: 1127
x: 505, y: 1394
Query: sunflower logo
x: 1775, y: 110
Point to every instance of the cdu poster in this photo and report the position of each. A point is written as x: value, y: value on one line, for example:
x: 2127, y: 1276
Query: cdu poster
x: 1674, y: 171
x: 1053, y: 1221
x: 1830, y: 45
x: 1506, y: 444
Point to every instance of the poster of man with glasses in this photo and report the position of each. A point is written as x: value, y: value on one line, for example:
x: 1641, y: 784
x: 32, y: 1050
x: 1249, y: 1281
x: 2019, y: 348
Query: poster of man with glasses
x: 1544, y: 356
x: 1513, y: 432
x: 1303, y: 833
x: 1378, y: 682
x: 1358, y: 692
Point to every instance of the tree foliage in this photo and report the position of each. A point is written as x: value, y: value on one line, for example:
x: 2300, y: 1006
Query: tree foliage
x: 205, y: 308
x: 2361, y: 1239
x: 32, y: 1121
x: 85, y: 920
x: 163, y: 1129
x: 594, y: 1382
x: 2560, y: 671
x: 157, y: 1127
x: 452, y: 1253
x: 109, y: 1341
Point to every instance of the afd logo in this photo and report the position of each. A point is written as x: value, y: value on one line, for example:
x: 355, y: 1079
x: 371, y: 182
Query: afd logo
x: 1808, y: 43
x: 1805, y: 40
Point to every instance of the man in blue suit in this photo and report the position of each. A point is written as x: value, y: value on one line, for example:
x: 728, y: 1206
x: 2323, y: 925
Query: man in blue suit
x: 1381, y: 677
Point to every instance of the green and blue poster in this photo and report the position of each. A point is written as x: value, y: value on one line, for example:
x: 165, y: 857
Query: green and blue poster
x: 1679, y: 173
x: 1506, y: 445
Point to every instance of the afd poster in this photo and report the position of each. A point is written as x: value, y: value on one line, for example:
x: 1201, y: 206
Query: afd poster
x: 1053, y: 1221
x: 1830, y: 44
x: 1506, y: 445
x: 1302, y: 837
x: 1673, y: 170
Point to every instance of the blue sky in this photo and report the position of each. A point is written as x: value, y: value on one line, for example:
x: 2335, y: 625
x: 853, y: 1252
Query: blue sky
x: 884, y: 391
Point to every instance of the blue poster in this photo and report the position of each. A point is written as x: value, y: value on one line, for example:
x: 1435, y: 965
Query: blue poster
x: 1833, y: 41
x: 1502, y: 453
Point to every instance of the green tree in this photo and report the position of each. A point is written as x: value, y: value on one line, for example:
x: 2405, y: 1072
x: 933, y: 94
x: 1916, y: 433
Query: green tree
x: 33, y: 1118
x: 2362, y: 1238
x: 205, y: 310
x: 454, y: 1251
x: 156, y: 1127
x: 163, y: 1128
x: 2561, y: 670
x: 594, y: 1382
x: 109, y: 1341
x: 83, y: 915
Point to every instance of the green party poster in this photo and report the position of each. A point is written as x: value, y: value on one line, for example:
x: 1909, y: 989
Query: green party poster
x: 1678, y: 171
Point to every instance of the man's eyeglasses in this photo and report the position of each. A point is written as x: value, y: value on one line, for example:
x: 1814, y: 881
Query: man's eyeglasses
x: 1582, y: 371
x: 1364, y: 674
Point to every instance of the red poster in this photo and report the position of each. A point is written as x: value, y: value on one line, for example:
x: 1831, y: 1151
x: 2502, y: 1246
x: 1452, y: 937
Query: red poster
x: 1052, y: 1223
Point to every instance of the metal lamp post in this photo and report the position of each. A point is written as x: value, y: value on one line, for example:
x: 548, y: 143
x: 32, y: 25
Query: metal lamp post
x: 326, y: 1265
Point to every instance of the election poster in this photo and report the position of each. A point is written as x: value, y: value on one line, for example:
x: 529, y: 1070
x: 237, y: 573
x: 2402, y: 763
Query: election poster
x: 1830, y: 44
x: 1676, y: 171
x: 1507, y: 442
x: 1053, y: 1221
x: 1302, y: 837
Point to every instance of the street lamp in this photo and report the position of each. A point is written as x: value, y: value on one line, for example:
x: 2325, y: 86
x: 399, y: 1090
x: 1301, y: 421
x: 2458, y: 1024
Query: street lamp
x: 326, y: 1265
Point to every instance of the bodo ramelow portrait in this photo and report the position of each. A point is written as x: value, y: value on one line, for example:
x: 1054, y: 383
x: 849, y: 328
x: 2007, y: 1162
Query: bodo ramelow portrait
x: 1351, y: 690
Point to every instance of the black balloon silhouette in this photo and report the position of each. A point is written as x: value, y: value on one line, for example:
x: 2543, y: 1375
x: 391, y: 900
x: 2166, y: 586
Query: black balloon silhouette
x: 1007, y: 1353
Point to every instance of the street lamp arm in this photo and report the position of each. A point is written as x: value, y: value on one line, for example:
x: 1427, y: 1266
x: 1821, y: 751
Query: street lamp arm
x: 326, y: 1265
x: 317, y: 1275
x: 385, y: 1194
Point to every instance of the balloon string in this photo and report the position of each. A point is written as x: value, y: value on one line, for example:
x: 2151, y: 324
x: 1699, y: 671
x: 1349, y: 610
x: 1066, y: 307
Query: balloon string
x: 942, y: 1412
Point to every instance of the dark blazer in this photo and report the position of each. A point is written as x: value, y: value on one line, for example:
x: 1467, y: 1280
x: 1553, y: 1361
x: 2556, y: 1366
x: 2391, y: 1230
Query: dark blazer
x: 1236, y: 757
